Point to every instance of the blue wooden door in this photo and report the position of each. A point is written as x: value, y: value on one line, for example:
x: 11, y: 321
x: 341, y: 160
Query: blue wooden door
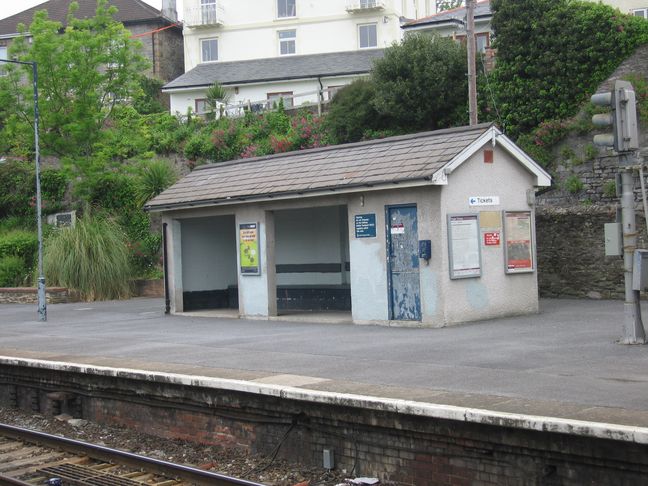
x: 403, y: 262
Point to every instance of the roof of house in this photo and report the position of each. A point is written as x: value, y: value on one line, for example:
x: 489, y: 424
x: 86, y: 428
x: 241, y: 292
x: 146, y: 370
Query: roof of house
x: 482, y: 10
x: 409, y: 160
x: 129, y: 11
x: 281, y: 68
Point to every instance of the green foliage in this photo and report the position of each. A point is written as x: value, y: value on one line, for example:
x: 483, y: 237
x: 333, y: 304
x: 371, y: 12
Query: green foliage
x: 551, y: 55
x: 154, y: 178
x: 609, y: 188
x: 148, y: 98
x: 217, y: 97
x: 573, y: 184
x: 640, y: 85
x: 21, y: 244
x: 86, y: 69
x: 352, y: 112
x: 591, y: 151
x: 112, y: 192
x: 13, y: 272
x: 420, y: 84
x: 18, y: 189
x: 442, y: 5
x: 92, y: 258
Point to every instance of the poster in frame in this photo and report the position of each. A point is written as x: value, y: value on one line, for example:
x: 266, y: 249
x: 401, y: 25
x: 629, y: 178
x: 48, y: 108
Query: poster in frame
x: 519, y: 245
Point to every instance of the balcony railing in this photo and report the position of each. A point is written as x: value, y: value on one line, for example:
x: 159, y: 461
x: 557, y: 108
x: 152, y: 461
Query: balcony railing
x: 205, y: 15
x: 364, y: 5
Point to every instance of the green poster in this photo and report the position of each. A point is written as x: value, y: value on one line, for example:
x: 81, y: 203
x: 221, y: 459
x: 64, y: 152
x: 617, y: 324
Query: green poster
x: 249, y: 248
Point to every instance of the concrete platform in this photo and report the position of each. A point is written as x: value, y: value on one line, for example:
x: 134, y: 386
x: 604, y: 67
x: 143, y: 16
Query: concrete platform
x: 559, y: 370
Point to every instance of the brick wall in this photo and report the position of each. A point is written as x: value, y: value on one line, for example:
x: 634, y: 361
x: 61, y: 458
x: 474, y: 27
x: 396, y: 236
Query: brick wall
x: 391, y: 446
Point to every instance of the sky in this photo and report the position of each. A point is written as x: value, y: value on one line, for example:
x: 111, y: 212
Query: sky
x: 11, y: 7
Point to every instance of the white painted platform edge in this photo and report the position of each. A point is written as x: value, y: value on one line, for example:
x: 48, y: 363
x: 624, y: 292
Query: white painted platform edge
x: 582, y: 428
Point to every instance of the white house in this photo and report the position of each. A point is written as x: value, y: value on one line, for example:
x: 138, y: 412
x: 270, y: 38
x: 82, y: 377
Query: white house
x: 284, y: 48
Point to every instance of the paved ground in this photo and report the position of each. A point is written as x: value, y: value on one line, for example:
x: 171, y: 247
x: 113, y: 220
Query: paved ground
x: 563, y: 362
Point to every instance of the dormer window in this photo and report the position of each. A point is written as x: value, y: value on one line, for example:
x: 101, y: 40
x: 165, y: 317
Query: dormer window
x: 286, y: 9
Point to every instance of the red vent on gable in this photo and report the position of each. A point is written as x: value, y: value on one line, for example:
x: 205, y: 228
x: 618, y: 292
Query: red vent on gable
x: 488, y: 156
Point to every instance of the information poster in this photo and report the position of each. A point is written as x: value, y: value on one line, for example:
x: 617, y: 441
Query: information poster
x: 518, y: 231
x: 464, y: 247
x: 249, y: 248
x: 365, y: 226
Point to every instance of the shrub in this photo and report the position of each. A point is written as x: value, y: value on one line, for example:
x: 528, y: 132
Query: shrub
x: 421, y: 83
x: 544, y: 71
x: 91, y: 257
x: 13, y: 271
x: 352, y: 112
x: 609, y: 188
x: 573, y: 184
x: 154, y: 178
x: 21, y: 244
x: 111, y: 191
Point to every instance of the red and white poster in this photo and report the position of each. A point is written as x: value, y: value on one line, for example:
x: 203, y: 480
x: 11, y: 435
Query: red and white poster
x: 492, y: 238
x: 519, y: 244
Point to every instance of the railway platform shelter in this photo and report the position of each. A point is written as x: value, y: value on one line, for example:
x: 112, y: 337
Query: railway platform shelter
x: 428, y: 229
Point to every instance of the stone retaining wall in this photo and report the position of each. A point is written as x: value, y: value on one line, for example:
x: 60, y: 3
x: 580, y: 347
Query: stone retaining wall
x: 571, y: 253
x: 29, y: 295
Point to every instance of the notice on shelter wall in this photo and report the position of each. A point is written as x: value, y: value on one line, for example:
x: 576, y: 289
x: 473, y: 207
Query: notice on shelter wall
x: 518, y: 231
x: 365, y: 225
x: 249, y: 249
x: 491, y: 238
x: 463, y: 244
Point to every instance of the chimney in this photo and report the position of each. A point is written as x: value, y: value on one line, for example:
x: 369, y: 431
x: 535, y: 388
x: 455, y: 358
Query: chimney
x: 169, y: 10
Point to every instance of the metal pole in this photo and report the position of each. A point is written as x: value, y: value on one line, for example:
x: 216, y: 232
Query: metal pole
x: 633, y: 330
x: 42, y: 298
x: 472, y: 77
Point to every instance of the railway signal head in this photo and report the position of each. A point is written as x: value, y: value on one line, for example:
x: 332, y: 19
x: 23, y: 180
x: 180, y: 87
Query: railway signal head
x: 622, y: 118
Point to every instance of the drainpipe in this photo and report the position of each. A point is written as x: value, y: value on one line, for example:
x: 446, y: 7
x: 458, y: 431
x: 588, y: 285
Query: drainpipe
x: 165, y: 269
x: 320, y: 96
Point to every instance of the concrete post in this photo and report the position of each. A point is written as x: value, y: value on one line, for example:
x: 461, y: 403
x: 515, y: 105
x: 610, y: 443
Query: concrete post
x: 174, y: 264
x: 258, y: 293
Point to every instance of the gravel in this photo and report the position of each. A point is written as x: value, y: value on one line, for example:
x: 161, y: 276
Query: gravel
x: 230, y: 462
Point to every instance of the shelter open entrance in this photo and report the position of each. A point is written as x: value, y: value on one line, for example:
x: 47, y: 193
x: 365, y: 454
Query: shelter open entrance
x: 209, y: 273
x: 312, y: 261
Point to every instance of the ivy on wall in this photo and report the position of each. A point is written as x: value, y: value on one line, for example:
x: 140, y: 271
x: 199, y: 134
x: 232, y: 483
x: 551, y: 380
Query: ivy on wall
x: 552, y: 54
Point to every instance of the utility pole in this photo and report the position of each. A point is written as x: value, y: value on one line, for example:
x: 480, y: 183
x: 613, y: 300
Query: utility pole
x: 42, y: 296
x: 472, y: 76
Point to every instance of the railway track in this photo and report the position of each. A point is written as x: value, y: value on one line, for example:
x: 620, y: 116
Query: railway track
x: 30, y: 458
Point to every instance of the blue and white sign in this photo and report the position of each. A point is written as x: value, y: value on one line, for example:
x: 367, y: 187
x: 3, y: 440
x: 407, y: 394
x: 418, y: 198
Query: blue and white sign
x: 365, y: 226
x: 484, y: 200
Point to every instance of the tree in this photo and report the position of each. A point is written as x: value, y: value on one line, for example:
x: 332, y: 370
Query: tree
x: 552, y: 54
x: 442, y: 5
x: 352, y: 112
x: 217, y: 97
x: 421, y: 83
x: 84, y: 71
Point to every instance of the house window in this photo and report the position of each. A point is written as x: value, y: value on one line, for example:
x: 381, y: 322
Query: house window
x: 286, y: 8
x: 331, y: 91
x: 368, y: 35
x: 209, y: 48
x: 287, y: 40
x: 208, y: 12
x: 3, y: 55
x: 275, y: 97
x: 641, y: 12
x: 367, y: 3
x: 201, y: 106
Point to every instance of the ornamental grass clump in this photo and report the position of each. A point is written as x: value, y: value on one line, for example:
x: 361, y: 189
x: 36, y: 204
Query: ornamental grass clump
x: 91, y: 257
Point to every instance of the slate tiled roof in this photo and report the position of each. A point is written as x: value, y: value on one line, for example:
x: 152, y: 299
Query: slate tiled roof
x: 279, y: 68
x: 391, y: 160
x: 130, y: 11
x: 482, y: 9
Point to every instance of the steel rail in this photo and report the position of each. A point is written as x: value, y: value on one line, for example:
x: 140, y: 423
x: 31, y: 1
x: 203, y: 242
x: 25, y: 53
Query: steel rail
x: 164, y: 468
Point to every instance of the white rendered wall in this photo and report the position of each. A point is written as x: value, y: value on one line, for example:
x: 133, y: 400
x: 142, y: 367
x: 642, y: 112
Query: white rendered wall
x: 182, y: 100
x: 495, y: 293
x: 626, y: 6
x: 208, y: 253
x: 250, y: 27
x: 312, y: 235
